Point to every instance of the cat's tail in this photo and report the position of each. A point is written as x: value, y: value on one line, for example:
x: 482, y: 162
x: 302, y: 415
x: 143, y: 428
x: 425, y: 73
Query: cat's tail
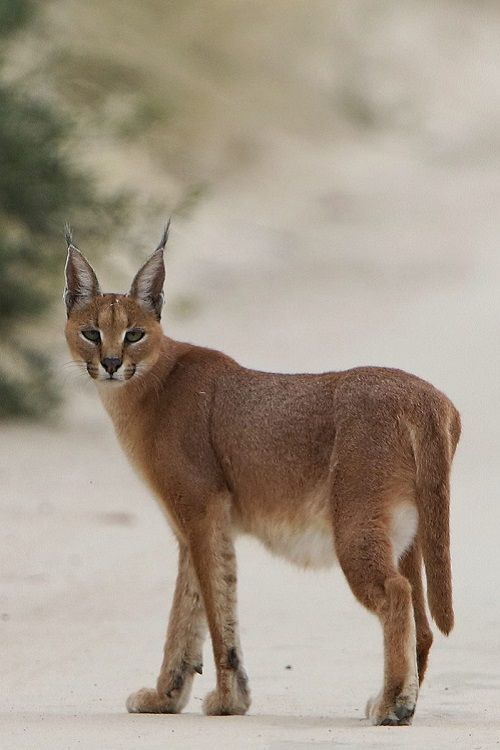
x: 434, y: 445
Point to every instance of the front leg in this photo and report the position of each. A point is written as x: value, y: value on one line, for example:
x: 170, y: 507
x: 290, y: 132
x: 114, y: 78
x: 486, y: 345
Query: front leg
x: 214, y: 559
x: 183, y: 647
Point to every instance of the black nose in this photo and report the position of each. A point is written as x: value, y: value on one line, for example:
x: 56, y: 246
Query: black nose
x: 111, y: 364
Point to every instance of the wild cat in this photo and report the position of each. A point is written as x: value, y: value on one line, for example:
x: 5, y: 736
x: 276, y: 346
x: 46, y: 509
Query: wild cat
x: 351, y: 466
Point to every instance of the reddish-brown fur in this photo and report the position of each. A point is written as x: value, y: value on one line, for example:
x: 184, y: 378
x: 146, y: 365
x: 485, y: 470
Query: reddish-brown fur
x: 353, y: 457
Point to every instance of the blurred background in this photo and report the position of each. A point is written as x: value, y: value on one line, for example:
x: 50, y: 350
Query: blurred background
x: 332, y: 170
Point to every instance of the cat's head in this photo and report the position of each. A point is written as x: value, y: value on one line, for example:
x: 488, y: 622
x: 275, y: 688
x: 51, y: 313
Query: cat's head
x: 115, y: 336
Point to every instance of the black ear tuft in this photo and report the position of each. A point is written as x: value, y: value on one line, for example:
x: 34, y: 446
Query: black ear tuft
x: 164, y: 238
x: 68, y: 234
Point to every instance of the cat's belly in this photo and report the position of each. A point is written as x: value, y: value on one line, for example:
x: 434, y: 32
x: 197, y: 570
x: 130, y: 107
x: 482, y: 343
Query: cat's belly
x: 308, y: 544
x: 308, y: 547
x: 297, y: 529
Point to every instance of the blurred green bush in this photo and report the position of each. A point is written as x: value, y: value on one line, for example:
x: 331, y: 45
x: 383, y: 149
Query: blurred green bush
x: 40, y: 188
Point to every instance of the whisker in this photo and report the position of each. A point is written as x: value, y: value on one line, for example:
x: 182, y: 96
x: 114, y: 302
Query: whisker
x: 147, y: 378
x: 73, y: 363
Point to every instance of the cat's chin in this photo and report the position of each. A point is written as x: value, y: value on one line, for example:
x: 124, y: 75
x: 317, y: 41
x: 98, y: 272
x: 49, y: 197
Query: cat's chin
x: 110, y: 382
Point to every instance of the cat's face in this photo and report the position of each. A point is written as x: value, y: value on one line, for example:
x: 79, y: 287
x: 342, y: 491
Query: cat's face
x: 116, y: 337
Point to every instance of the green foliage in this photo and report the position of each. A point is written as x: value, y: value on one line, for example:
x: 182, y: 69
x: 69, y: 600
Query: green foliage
x: 39, y: 189
x: 13, y: 14
x: 36, y: 183
x: 29, y: 391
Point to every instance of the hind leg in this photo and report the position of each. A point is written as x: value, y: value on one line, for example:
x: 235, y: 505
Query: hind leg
x: 396, y: 703
x: 366, y: 556
x: 410, y: 566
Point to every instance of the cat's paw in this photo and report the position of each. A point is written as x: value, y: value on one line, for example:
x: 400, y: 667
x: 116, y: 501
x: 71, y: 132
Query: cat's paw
x: 235, y: 701
x: 215, y: 705
x: 382, y: 712
x: 148, y: 701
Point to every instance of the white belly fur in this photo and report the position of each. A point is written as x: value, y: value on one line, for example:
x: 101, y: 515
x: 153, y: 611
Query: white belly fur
x: 305, y: 537
x: 309, y: 547
x: 310, y: 544
x: 404, y: 527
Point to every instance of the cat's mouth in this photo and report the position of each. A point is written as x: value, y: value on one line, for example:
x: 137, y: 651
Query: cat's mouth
x: 98, y: 374
x: 119, y: 377
x: 110, y: 381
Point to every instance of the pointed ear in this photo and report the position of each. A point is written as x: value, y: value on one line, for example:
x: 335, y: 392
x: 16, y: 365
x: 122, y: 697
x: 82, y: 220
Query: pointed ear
x: 81, y: 281
x: 147, y: 287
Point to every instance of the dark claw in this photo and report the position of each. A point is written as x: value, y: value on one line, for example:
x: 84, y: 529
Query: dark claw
x: 389, y: 722
x: 403, y: 716
x: 403, y: 712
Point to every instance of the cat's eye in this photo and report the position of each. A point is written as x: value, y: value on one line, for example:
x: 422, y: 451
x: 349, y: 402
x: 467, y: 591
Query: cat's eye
x: 92, y: 334
x: 134, y: 335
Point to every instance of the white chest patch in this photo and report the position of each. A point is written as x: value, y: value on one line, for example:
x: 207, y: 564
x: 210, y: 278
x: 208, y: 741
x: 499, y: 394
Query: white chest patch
x: 310, y: 547
x: 404, y: 527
